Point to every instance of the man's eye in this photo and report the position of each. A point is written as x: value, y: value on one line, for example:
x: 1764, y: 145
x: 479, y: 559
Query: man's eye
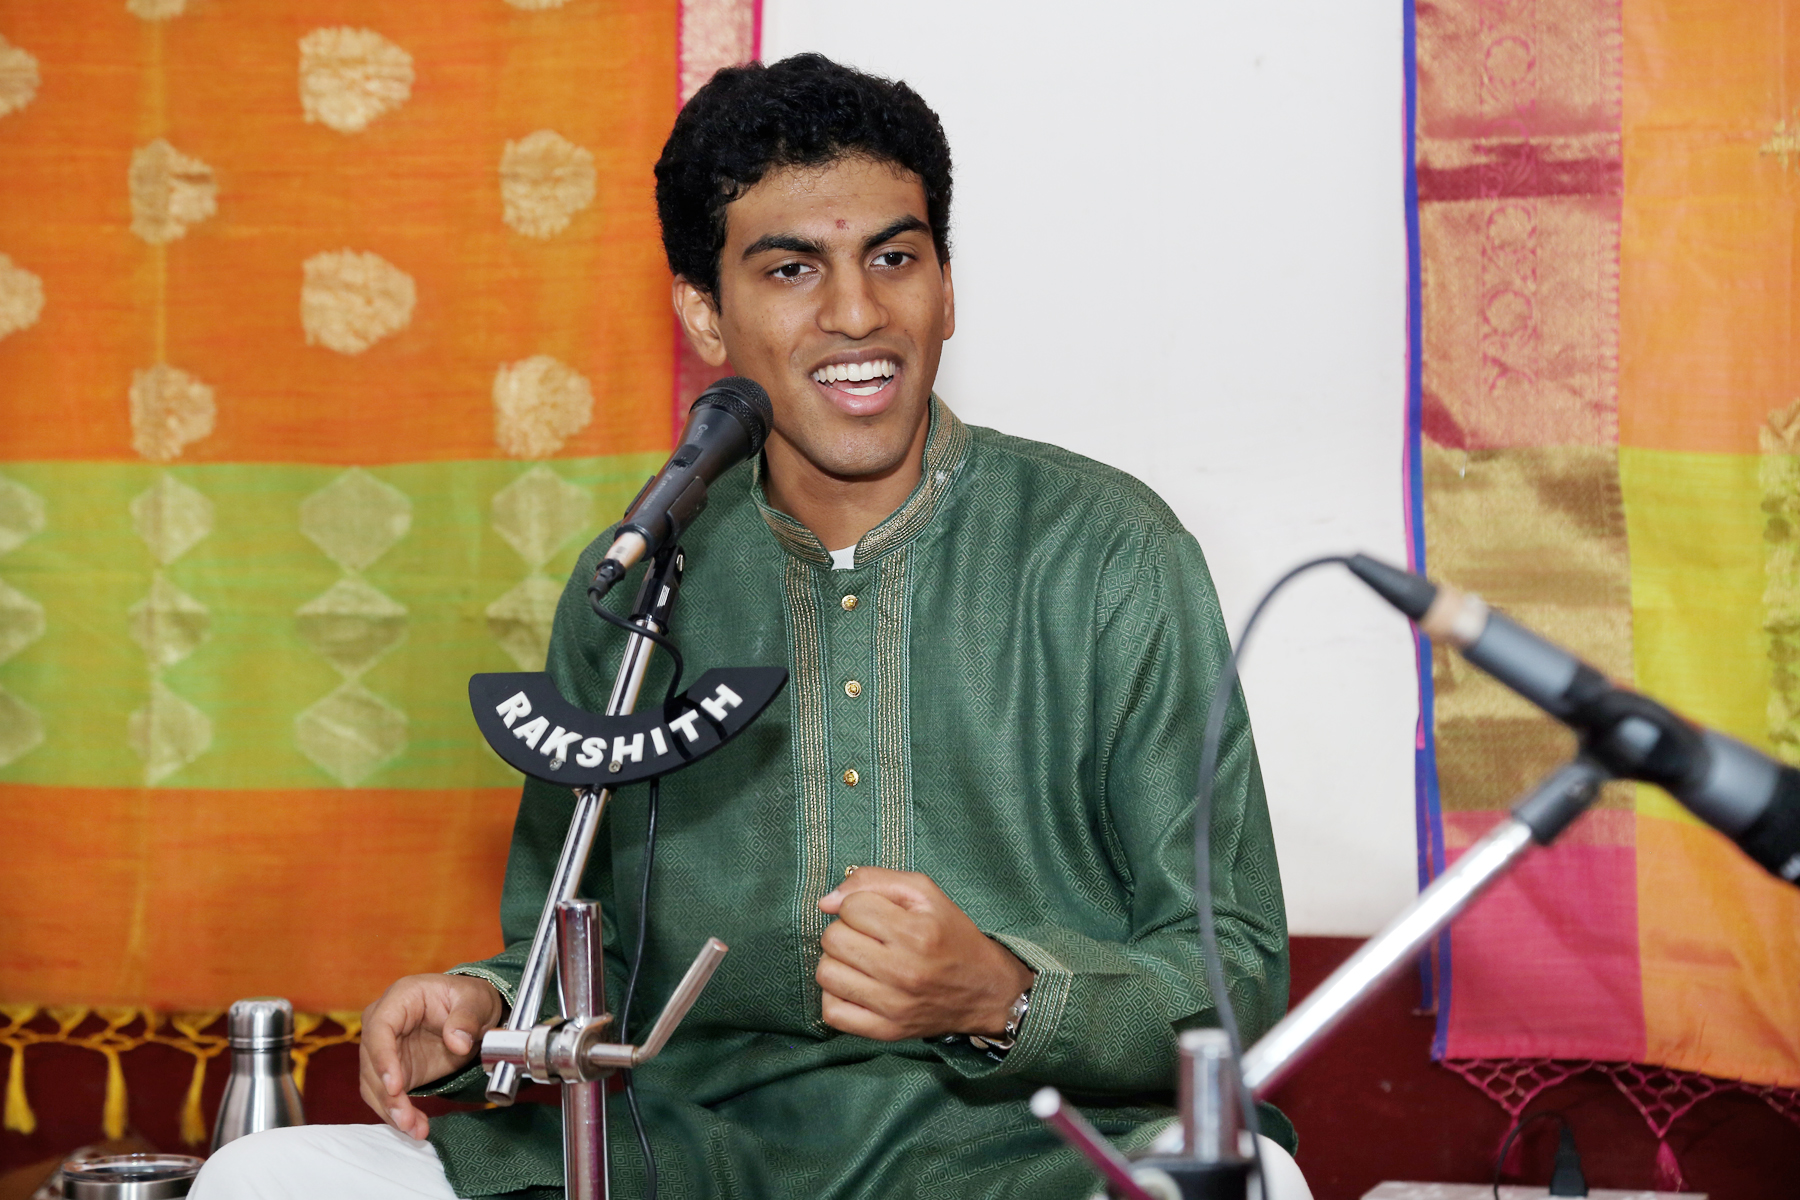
x: 792, y: 270
x: 892, y: 258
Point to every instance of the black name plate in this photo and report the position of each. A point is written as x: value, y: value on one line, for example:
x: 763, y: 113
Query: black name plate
x: 529, y: 724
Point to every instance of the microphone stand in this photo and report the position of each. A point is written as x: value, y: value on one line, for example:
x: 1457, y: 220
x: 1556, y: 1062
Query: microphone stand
x: 567, y: 1049
x: 1205, y: 1164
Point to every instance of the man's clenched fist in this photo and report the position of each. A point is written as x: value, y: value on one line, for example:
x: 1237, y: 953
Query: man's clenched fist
x: 422, y: 1028
x: 903, y: 961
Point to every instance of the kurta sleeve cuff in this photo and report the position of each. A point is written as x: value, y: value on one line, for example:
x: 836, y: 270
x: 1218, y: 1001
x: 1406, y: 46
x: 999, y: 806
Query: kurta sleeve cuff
x: 1037, y: 1036
x: 470, y: 1083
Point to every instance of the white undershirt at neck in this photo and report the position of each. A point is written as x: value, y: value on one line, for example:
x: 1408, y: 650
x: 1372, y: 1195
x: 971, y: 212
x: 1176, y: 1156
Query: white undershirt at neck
x: 843, y: 560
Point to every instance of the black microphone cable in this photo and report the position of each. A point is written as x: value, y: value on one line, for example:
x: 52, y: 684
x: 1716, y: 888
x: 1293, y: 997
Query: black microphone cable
x: 1203, y: 898
x: 643, y: 923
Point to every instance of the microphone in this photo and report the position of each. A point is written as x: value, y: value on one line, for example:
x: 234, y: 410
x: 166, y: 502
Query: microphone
x: 727, y: 424
x: 1740, y: 791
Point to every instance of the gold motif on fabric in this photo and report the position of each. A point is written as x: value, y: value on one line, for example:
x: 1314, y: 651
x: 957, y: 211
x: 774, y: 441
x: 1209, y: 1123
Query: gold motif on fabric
x: 1557, y: 564
x: 21, y: 621
x: 1780, y: 478
x: 169, y: 192
x: 21, y: 514
x: 21, y: 728
x: 170, y: 409
x: 1784, y: 143
x: 351, y: 733
x: 171, y: 517
x: 18, y: 77
x: 156, y: 10
x: 349, y: 77
x: 350, y: 300
x: 351, y: 625
x: 356, y: 518
x: 167, y: 733
x: 539, y: 512
x: 539, y: 404
x: 714, y: 34
x: 168, y: 624
x: 812, y: 766
x: 545, y: 179
x: 521, y: 621
x: 893, y: 775
x: 21, y: 297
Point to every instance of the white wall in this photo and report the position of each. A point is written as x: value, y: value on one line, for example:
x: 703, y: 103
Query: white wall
x: 1179, y: 249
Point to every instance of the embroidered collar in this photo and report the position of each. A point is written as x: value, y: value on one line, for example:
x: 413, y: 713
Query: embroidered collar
x: 946, y: 449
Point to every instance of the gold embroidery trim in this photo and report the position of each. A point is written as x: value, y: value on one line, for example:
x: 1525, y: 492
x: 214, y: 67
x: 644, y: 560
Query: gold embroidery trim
x: 946, y: 449
x: 812, y: 769
x: 893, y: 774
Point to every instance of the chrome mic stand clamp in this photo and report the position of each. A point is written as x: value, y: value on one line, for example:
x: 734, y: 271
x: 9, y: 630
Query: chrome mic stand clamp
x: 1211, y: 1161
x: 569, y: 1049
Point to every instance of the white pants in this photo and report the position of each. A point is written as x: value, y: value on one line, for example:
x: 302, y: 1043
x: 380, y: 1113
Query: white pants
x: 309, y: 1162
x: 378, y: 1162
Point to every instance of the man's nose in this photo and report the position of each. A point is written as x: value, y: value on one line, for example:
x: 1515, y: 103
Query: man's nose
x: 851, y: 308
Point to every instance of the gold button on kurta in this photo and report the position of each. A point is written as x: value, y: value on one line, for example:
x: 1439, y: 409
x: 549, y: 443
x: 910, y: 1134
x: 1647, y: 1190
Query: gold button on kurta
x: 850, y: 777
x: 849, y: 603
x: 852, y: 689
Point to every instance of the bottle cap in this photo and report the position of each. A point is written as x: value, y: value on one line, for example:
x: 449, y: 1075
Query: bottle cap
x: 261, y: 1023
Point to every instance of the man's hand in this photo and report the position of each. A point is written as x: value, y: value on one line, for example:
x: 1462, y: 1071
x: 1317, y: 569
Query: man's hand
x: 902, y: 961
x: 422, y: 1028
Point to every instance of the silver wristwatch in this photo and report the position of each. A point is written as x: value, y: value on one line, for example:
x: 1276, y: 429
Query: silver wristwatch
x: 997, y: 1046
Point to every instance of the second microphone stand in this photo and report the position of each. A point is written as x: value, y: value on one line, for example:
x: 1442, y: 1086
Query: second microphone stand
x: 1206, y: 1163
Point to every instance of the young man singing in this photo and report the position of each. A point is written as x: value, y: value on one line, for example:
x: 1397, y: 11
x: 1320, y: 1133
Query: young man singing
x: 954, y: 860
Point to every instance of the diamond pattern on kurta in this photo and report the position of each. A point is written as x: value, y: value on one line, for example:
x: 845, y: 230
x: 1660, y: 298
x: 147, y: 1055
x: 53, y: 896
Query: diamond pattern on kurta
x: 169, y: 410
x: 356, y: 518
x: 349, y: 77
x: 21, y: 297
x: 169, y: 192
x: 18, y: 77
x: 351, y: 733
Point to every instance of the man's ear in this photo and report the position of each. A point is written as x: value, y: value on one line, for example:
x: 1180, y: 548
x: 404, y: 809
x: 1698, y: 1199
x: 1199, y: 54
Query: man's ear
x: 699, y: 316
x: 949, y: 304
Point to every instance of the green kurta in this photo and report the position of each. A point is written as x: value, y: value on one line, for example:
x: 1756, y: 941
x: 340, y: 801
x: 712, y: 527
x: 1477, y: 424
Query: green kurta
x: 1035, y: 637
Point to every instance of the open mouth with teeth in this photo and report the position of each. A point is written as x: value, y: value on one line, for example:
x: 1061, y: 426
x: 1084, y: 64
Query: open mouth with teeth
x: 857, y: 378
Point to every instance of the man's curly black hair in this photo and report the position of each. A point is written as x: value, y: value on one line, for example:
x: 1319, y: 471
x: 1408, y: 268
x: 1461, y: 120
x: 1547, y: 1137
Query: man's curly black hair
x: 802, y: 111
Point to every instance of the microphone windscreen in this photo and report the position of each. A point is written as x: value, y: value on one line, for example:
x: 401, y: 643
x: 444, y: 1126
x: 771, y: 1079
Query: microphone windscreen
x: 746, y: 400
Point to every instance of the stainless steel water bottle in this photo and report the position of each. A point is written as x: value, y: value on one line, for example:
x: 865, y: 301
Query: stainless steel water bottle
x: 260, y: 1093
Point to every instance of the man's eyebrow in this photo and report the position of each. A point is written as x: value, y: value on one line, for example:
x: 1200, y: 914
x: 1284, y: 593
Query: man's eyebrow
x: 791, y: 242
x: 907, y: 224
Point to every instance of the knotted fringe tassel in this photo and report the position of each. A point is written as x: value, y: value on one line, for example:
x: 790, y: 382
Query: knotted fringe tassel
x: 19, y: 1117
x: 113, y: 1119
x: 193, y: 1124
x: 1668, y: 1171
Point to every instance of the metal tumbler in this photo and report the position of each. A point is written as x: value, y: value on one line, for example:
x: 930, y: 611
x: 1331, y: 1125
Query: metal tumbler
x: 260, y: 1093
x: 129, y: 1177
